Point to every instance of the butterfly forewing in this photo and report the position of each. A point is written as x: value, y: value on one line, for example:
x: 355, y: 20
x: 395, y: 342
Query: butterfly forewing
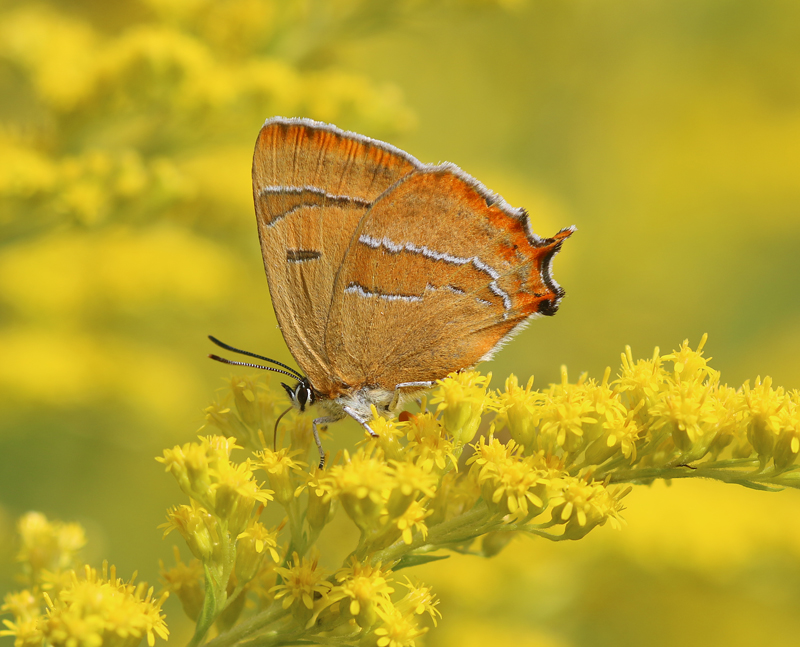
x: 312, y: 185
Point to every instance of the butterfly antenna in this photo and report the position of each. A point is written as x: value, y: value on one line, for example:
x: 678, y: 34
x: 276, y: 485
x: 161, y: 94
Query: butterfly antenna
x: 247, y: 352
x: 275, y: 432
x: 217, y: 358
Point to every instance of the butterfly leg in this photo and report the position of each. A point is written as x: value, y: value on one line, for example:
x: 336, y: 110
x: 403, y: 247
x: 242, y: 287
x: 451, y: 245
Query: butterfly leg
x: 364, y: 422
x: 406, y: 385
x: 419, y: 385
x: 322, y: 421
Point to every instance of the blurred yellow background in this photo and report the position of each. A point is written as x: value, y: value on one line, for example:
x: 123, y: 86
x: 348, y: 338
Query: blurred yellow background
x: 668, y: 131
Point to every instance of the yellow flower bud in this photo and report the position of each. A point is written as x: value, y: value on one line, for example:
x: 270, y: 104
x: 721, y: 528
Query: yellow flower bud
x: 763, y: 406
x: 197, y: 527
x: 520, y: 409
x: 462, y: 398
x: 318, y: 512
x: 252, y: 547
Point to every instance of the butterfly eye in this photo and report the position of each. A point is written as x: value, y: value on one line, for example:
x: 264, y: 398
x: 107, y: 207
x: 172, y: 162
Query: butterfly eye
x: 302, y: 395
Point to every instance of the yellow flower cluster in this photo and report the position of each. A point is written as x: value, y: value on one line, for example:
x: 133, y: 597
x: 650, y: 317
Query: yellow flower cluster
x: 359, y: 598
x: 665, y: 417
x: 236, y: 555
x: 464, y: 474
x: 474, y: 464
x: 183, y: 76
x: 70, y: 607
x: 220, y: 526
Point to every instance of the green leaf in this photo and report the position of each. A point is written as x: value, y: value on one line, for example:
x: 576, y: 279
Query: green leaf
x: 209, y: 612
x: 416, y: 560
x: 755, y: 485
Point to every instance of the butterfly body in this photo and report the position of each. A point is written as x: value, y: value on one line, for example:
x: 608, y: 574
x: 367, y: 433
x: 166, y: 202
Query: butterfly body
x: 387, y: 274
x: 356, y: 403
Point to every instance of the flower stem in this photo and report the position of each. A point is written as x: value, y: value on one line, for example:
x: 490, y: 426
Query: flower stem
x: 438, y: 534
x: 249, y: 627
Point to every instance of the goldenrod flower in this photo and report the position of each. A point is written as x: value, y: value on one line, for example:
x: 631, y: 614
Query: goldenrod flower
x: 368, y: 589
x: 520, y: 410
x: 512, y: 483
x: 55, y: 581
x: 304, y: 584
x: 686, y: 411
x: 50, y: 545
x: 256, y: 407
x: 99, y: 609
x: 413, y: 520
x: 582, y: 506
x: 22, y: 604
x: 360, y: 483
x: 462, y: 398
x: 191, y: 465
x: 419, y: 599
x: 244, y: 391
x: 282, y: 471
x: 689, y: 364
x: 198, y: 528
x: 763, y: 420
x: 25, y: 607
x: 729, y: 413
x: 185, y: 581
x: 25, y: 631
x: 640, y: 380
x: 428, y: 444
x: 616, y: 429
x: 410, y: 480
x: 224, y: 418
x: 251, y: 547
x: 235, y: 494
x: 388, y: 432
x: 566, y: 410
x: 552, y: 478
x: 225, y: 489
x: 320, y: 497
x: 398, y: 629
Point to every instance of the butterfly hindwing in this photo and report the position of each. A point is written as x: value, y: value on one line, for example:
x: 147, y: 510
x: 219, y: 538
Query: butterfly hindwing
x: 439, y: 272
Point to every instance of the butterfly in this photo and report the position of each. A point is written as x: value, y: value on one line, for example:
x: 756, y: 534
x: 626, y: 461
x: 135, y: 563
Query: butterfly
x: 386, y: 274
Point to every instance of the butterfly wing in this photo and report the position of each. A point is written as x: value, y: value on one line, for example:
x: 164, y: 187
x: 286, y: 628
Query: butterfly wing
x: 438, y: 273
x: 312, y: 184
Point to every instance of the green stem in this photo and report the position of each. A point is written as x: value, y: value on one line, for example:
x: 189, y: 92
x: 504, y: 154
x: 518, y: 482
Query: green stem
x: 249, y: 627
x: 731, y: 462
x: 438, y: 534
x: 273, y: 638
x: 738, y: 477
x: 297, y: 542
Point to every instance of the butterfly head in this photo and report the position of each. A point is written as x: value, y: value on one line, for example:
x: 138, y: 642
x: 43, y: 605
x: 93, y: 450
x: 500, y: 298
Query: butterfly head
x: 301, y: 394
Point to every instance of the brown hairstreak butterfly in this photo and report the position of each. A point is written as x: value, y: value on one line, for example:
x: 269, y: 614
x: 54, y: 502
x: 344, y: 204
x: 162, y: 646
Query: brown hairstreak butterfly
x: 386, y: 274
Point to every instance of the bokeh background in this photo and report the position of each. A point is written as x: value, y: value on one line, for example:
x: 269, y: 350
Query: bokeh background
x: 668, y: 131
